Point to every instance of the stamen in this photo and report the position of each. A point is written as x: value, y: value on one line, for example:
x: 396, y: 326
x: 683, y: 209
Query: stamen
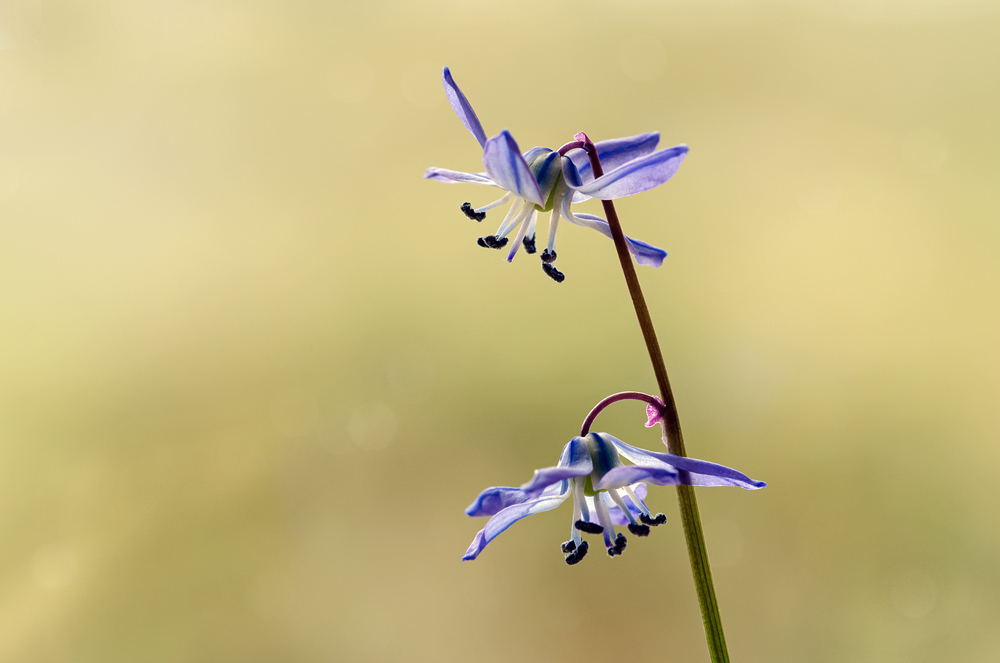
x: 639, y: 530
x: 605, y: 519
x: 578, y: 554
x: 471, y: 213
x: 619, y: 546
x: 515, y: 216
x: 569, y: 546
x: 548, y: 256
x: 554, y: 273
x: 589, y: 528
x: 521, y: 233
x: 658, y: 520
x: 620, y: 503
x: 529, y: 237
x: 491, y: 242
x: 553, y: 224
x: 580, y: 511
x: 496, y: 203
x: 636, y: 501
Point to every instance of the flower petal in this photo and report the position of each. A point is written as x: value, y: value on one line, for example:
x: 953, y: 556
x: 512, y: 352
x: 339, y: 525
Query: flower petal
x: 574, y: 462
x: 507, y: 517
x: 636, y: 176
x: 615, y: 152
x: 504, y: 163
x: 458, y: 177
x: 534, y: 152
x: 704, y: 473
x: 495, y: 499
x: 625, y: 475
x: 645, y: 254
x: 692, y: 471
x: 462, y: 107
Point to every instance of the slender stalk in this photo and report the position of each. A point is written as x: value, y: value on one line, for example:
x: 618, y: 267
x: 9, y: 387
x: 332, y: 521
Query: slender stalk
x: 675, y: 440
x: 614, y: 398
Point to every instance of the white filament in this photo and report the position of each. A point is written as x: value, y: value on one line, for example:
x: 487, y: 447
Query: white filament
x: 509, y: 223
x: 605, y: 519
x: 636, y: 501
x: 578, y: 500
x: 621, y: 505
x: 529, y: 220
x: 512, y: 213
x: 553, y: 224
x: 496, y: 203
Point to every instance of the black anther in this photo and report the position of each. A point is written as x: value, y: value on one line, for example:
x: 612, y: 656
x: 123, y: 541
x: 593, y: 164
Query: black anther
x: 569, y: 546
x: 639, y: 530
x: 658, y: 520
x: 548, y: 256
x: 556, y: 275
x: 578, y: 554
x: 529, y: 245
x: 619, y: 546
x: 491, y: 242
x: 589, y: 528
x: 471, y: 213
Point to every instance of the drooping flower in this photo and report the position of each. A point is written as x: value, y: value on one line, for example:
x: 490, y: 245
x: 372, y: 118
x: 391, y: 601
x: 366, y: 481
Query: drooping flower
x: 606, y: 492
x: 542, y: 180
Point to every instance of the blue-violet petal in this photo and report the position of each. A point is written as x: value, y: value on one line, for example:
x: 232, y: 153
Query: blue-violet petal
x: 645, y: 254
x: 615, y: 152
x: 462, y: 107
x: 504, y: 163
x: 507, y: 517
x: 456, y: 176
x: 636, y: 176
x: 574, y: 462
x: 691, y: 471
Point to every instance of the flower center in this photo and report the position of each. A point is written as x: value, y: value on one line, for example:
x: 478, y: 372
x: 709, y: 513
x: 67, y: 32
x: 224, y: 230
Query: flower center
x: 547, y: 167
x: 604, y: 456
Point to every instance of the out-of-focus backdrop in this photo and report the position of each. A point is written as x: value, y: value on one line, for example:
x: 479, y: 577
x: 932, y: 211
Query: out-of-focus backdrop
x: 253, y: 366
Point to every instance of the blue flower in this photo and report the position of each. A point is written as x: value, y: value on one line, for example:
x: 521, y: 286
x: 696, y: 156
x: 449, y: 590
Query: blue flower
x: 541, y: 180
x: 605, y: 491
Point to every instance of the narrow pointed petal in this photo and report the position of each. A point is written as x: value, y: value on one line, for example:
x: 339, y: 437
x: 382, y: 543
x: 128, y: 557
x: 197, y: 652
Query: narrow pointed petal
x: 507, y: 517
x: 625, y: 475
x: 634, y: 454
x: 704, y: 473
x: 615, y: 152
x: 455, y: 176
x: 462, y: 107
x: 505, y: 165
x: 645, y: 254
x: 574, y: 462
x: 636, y: 176
x: 692, y: 472
x: 493, y: 500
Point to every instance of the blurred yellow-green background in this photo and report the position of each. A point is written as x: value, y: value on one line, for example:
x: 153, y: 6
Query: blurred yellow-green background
x: 253, y: 366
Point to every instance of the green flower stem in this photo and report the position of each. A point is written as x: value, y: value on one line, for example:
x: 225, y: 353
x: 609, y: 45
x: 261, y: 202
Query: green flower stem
x: 675, y: 440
